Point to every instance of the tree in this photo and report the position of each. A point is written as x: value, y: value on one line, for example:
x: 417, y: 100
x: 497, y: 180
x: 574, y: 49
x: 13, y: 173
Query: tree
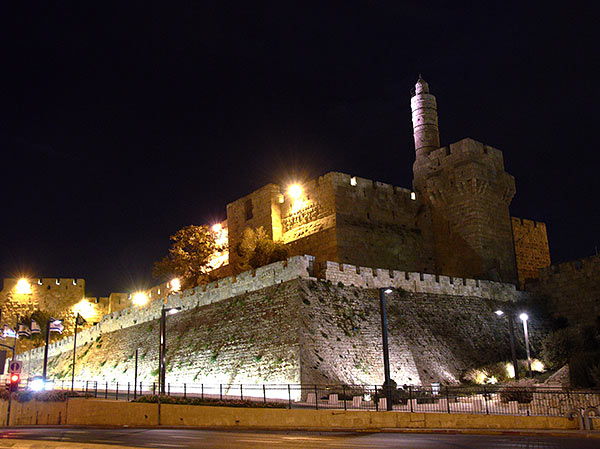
x: 257, y: 249
x: 189, y: 256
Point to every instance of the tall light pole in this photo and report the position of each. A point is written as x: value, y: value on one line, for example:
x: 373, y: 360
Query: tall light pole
x: 162, y: 350
x: 386, y: 351
x: 78, y: 319
x: 524, y: 317
x: 48, y: 324
x: 511, y: 332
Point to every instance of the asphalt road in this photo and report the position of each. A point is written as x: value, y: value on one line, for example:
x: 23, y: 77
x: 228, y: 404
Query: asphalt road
x: 185, y: 438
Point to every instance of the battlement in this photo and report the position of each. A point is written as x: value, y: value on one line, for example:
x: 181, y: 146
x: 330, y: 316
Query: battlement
x: 530, y: 224
x: 49, y: 283
x: 587, y: 265
x: 465, y: 149
x: 381, y: 188
x: 417, y: 282
x: 275, y: 273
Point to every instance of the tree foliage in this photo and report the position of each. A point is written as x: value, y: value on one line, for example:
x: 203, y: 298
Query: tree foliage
x: 257, y: 249
x: 189, y: 256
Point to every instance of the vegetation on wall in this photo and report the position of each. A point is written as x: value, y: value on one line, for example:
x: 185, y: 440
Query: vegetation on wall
x: 257, y: 249
x: 189, y: 256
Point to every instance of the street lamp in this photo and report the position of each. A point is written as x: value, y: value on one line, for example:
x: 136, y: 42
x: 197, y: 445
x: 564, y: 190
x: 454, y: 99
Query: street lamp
x: 162, y: 351
x: 57, y: 327
x: 524, y: 317
x: 512, y: 340
x: 386, y: 352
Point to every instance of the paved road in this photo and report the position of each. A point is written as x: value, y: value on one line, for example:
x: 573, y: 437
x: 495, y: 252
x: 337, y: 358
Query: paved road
x: 212, y: 439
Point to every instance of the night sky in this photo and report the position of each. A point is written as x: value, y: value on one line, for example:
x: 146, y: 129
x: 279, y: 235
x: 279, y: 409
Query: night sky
x: 123, y: 122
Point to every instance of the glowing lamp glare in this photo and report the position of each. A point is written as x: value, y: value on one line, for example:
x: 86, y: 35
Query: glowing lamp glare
x: 524, y: 317
x: 139, y: 298
x: 295, y: 191
x: 175, y: 285
x: 499, y: 312
x: 23, y: 287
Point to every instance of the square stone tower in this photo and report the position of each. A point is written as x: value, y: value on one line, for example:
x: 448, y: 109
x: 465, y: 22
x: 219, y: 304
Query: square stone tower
x: 467, y: 193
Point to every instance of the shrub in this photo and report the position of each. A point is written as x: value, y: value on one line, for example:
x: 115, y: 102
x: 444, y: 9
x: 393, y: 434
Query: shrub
x: 520, y: 391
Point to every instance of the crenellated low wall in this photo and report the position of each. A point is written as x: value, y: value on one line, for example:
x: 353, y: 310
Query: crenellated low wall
x: 418, y: 282
x: 275, y: 273
x: 293, y: 268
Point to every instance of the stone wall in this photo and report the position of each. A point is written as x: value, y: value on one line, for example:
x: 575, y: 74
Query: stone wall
x: 531, y: 248
x: 293, y: 268
x: 572, y: 289
x: 280, y: 324
x: 299, y: 330
x: 56, y: 296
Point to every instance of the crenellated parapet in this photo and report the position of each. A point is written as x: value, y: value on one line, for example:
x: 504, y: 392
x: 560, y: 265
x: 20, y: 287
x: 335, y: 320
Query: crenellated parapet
x: 365, y: 277
x: 293, y: 268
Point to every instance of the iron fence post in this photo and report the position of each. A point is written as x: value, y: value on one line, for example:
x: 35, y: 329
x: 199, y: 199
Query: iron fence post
x: 221, y: 392
x: 376, y: 399
x: 316, y: 398
x: 117, y: 392
x: 169, y: 389
x: 485, y: 398
x: 448, y: 399
x: 264, y: 394
x: 106, y: 390
x: 289, y: 397
x: 344, y: 394
x: 95, y: 389
x: 241, y: 392
x: 128, y: 387
x: 86, y: 388
x: 202, y: 391
x: 184, y: 391
x: 153, y: 388
x: 410, y: 398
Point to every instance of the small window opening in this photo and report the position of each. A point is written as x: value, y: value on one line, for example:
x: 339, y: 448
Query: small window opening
x: 248, y: 209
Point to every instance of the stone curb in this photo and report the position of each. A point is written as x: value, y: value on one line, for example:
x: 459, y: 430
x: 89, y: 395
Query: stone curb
x: 510, y: 432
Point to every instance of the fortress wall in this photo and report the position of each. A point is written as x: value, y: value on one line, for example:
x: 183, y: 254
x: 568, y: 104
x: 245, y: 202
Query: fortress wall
x: 572, y: 289
x: 276, y: 273
x: 56, y: 296
x: 418, y: 282
x: 302, y: 330
x: 531, y: 247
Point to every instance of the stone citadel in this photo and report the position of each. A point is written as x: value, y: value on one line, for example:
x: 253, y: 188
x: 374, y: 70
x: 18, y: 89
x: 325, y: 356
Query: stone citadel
x: 449, y: 244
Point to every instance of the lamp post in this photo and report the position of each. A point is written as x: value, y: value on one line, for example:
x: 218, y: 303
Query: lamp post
x: 511, y: 331
x: 524, y: 317
x: 386, y: 351
x: 78, y: 319
x: 48, y: 324
x: 162, y: 350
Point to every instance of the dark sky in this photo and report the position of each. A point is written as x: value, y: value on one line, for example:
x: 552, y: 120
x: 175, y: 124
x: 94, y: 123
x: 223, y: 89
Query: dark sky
x: 122, y: 122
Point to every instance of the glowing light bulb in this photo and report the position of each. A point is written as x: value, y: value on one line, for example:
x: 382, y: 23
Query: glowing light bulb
x: 23, y: 287
x: 524, y: 317
x: 295, y: 191
x: 175, y: 285
x: 139, y: 298
x: 217, y: 227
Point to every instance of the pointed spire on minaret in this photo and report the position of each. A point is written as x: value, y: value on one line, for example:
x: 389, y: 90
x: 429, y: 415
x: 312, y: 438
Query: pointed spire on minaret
x: 425, y: 118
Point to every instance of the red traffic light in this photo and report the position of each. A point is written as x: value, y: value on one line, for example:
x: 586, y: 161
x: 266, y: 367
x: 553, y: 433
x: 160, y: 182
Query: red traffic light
x: 15, y: 378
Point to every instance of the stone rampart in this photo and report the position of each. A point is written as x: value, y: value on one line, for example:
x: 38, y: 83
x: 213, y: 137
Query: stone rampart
x: 417, y: 282
x: 572, y: 289
x: 275, y: 273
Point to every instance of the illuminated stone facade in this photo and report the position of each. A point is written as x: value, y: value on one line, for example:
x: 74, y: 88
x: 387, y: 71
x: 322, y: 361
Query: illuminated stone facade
x: 61, y: 298
x: 455, y: 221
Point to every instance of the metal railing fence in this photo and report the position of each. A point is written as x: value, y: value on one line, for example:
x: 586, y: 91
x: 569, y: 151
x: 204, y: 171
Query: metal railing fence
x: 485, y: 399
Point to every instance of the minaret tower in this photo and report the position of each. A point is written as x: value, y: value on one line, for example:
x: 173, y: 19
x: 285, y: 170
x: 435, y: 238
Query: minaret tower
x: 465, y: 193
x: 424, y: 118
